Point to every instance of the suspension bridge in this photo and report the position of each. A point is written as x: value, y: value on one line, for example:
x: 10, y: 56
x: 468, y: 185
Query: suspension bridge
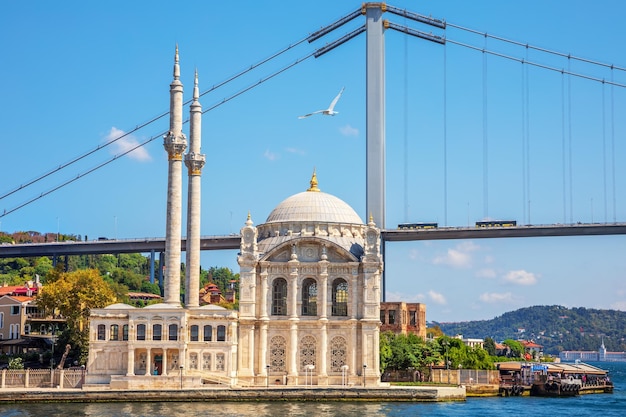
x: 373, y: 20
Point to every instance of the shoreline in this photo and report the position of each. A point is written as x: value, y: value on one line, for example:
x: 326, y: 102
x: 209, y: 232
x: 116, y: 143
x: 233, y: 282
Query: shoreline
x: 380, y: 394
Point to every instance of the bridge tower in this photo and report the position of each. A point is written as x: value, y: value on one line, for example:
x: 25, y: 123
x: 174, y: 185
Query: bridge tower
x: 194, y: 161
x: 175, y: 144
x: 375, y: 104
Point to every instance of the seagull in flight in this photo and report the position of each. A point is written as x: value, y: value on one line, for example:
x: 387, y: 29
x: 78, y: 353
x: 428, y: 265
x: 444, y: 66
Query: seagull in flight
x: 329, y: 111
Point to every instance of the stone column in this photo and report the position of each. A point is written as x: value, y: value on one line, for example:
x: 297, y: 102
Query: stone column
x: 175, y: 144
x: 131, y: 363
x: 164, y: 363
x: 194, y: 162
x: 149, y: 361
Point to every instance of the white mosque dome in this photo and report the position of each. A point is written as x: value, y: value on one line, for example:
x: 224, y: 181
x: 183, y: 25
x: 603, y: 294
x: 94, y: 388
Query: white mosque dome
x: 313, y: 206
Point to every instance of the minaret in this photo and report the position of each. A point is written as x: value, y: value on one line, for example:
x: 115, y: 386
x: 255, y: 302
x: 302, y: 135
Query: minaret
x: 194, y: 161
x: 175, y: 144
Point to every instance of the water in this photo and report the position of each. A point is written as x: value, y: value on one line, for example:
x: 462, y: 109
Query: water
x: 603, y: 405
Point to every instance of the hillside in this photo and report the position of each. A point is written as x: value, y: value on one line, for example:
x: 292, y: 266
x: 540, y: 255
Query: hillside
x: 557, y: 328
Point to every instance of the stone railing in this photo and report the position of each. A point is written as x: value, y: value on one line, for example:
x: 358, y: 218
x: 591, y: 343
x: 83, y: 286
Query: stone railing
x: 42, y: 378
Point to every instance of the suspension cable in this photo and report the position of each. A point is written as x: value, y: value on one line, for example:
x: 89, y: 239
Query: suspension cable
x: 613, y: 147
x: 150, y: 121
x: 604, y: 151
x: 536, y: 64
x: 95, y: 168
x: 445, y: 135
x: 569, y: 56
x: 485, y: 139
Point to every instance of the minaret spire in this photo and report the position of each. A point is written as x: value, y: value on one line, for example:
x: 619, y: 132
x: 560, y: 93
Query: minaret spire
x: 194, y: 161
x: 175, y: 144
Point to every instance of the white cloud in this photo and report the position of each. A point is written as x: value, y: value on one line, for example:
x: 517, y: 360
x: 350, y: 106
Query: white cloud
x: 348, y: 130
x: 401, y: 296
x: 521, y: 277
x: 437, y: 298
x: 270, y: 155
x: 492, y: 297
x: 486, y: 273
x: 458, y: 257
x: 454, y: 258
x: 124, y: 144
x: 295, y: 150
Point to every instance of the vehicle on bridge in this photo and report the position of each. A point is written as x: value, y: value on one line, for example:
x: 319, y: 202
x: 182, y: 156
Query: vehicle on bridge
x: 497, y: 223
x: 411, y: 226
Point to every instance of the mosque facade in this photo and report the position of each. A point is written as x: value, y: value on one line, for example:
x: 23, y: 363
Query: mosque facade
x: 309, y: 302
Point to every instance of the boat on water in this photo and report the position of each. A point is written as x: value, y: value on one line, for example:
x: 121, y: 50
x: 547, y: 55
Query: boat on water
x: 552, y: 379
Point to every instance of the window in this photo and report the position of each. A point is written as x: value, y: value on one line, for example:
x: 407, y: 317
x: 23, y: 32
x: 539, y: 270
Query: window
x: 307, y: 352
x: 1, y: 320
x: 193, y: 333
x: 141, y: 332
x: 101, y: 332
x: 15, y: 310
x: 115, y: 332
x: 278, y: 348
x: 220, y: 364
x: 157, y: 329
x: 309, y: 297
x: 193, y: 361
x: 340, y: 297
x: 208, y: 333
x: 206, y: 361
x: 172, y: 332
x: 279, y: 297
x: 221, y: 333
x: 392, y: 316
x: 125, y: 332
x: 413, y: 318
x: 338, y: 353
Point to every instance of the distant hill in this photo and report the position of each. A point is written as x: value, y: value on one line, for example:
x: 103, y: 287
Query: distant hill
x: 557, y: 328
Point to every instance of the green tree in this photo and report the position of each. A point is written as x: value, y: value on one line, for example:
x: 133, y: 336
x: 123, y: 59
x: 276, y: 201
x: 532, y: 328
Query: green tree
x: 517, y: 349
x: 73, y: 295
x: 490, y: 346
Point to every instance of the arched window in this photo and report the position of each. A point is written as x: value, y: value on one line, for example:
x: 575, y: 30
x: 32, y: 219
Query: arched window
x: 309, y: 297
x: 125, y: 332
x: 208, y: 333
x: 141, y: 332
x: 193, y: 333
x: 221, y: 333
x: 115, y: 332
x: 157, y: 329
x: 338, y: 353
x: 1, y: 320
x: 307, y: 352
x: 278, y: 348
x: 340, y: 297
x: 172, y: 332
x: 101, y: 332
x: 279, y: 297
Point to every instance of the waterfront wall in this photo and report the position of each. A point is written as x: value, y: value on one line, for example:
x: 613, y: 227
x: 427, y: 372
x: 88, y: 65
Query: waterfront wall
x: 42, y: 378
x: 394, y: 394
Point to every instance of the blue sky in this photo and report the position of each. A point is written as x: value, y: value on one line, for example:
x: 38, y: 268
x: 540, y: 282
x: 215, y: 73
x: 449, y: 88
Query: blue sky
x: 77, y: 74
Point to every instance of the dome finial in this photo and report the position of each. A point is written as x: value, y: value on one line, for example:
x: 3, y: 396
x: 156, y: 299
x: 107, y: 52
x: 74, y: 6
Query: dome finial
x: 314, y: 183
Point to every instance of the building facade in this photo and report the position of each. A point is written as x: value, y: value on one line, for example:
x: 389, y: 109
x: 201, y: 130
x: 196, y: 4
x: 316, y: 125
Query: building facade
x: 403, y: 318
x: 310, y: 282
x: 310, y: 290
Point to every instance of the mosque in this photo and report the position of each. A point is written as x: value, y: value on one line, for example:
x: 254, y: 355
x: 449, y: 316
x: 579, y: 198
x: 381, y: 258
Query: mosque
x: 309, y: 303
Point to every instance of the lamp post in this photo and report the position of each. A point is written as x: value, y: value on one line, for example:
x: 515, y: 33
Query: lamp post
x: 181, y: 377
x: 267, y: 376
x: 344, y: 370
x: 310, y: 368
x: 460, y: 367
x: 364, y: 368
x: 445, y: 344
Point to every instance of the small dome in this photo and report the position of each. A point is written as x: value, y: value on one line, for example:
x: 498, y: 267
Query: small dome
x: 314, y: 206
